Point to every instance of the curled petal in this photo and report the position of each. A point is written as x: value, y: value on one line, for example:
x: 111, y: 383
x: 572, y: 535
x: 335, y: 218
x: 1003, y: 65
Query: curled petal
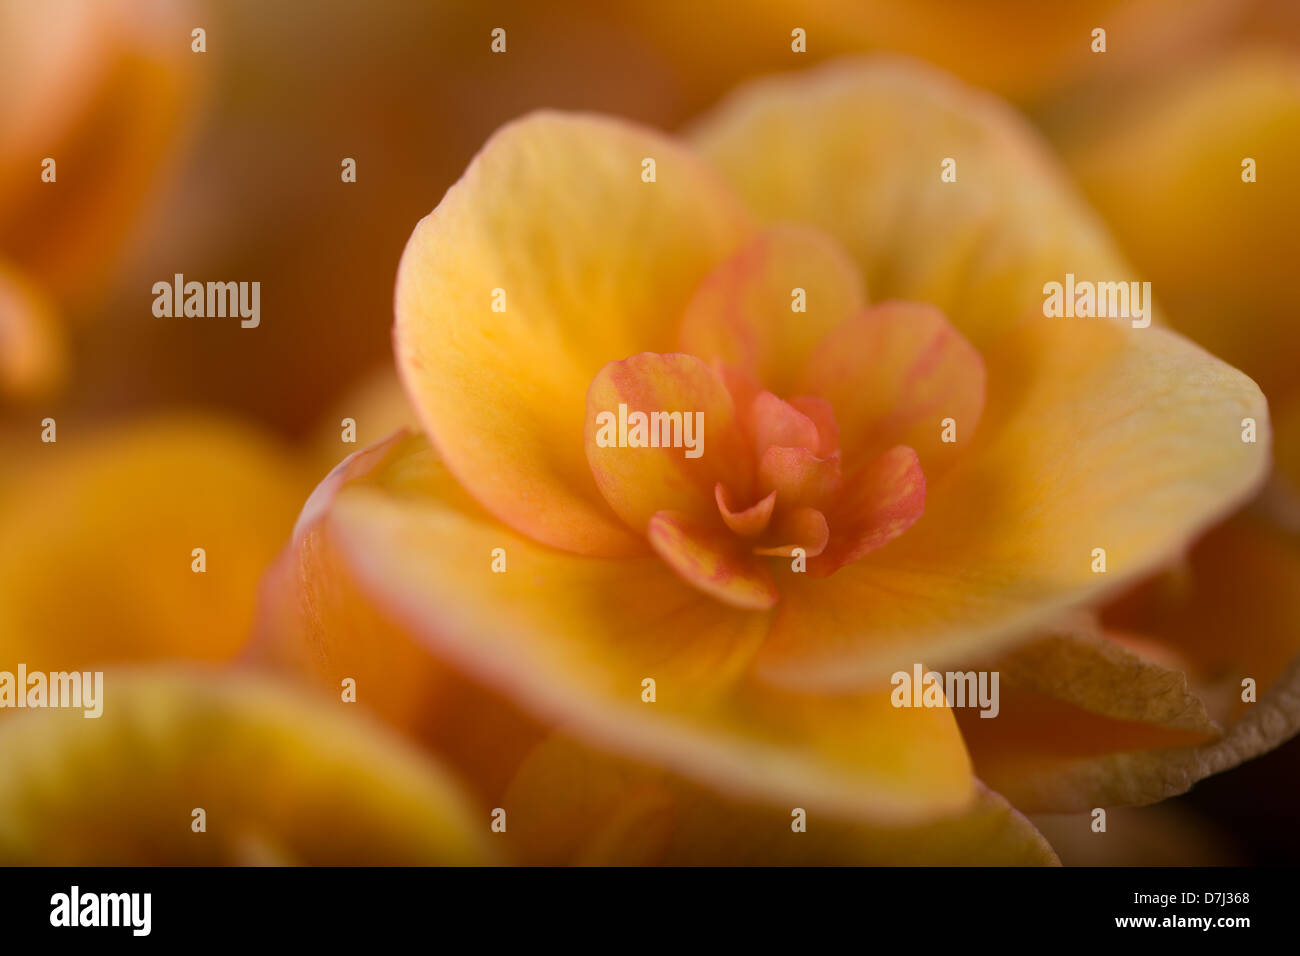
x: 1101, y: 673
x: 1084, y: 720
x: 747, y: 522
x: 804, y: 528
x: 713, y: 560
x: 878, y: 503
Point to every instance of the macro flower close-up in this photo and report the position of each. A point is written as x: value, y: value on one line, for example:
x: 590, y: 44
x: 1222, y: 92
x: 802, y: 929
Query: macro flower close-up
x: 884, y: 456
x: 713, y: 451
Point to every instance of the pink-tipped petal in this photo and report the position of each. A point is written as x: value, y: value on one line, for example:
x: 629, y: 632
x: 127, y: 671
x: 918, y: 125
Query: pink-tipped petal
x: 712, y: 560
x: 747, y: 522
x: 879, y: 502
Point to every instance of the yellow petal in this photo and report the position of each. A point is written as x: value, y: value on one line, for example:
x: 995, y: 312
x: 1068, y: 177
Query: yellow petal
x: 1212, y: 244
x: 279, y: 778
x: 855, y: 148
x: 594, y: 264
x: 97, y: 557
x: 1220, y: 252
x: 744, y: 314
x: 894, y: 375
x: 572, y: 641
x: 571, y: 805
x: 1096, y: 436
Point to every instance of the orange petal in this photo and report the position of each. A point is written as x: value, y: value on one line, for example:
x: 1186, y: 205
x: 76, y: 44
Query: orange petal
x: 798, y: 476
x: 779, y: 423
x: 713, y: 560
x: 894, y: 374
x: 747, y: 522
x: 823, y: 415
x: 742, y: 314
x: 804, y: 528
x: 878, y: 503
x: 594, y: 265
x: 699, y: 442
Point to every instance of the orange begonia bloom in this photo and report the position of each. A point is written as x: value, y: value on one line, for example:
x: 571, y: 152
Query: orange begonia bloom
x: 517, y: 555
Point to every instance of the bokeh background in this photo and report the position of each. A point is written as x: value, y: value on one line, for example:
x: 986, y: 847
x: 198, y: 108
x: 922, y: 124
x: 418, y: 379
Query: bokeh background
x: 226, y: 165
